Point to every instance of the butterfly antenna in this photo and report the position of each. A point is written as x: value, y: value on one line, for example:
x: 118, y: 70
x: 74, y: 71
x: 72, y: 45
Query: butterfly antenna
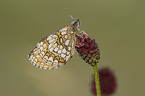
x: 72, y: 18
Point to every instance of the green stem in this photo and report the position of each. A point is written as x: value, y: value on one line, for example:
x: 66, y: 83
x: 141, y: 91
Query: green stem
x: 97, y: 80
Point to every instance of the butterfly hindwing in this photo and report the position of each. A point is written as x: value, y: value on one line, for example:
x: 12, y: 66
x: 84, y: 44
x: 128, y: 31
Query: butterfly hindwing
x: 53, y: 50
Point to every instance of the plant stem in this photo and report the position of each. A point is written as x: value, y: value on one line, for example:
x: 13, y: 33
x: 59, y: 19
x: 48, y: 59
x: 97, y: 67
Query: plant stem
x: 97, y: 80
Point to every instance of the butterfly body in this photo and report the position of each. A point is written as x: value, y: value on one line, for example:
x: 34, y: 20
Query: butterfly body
x: 55, y: 49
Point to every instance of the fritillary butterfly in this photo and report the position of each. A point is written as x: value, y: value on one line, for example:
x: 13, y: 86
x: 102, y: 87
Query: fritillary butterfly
x: 56, y: 49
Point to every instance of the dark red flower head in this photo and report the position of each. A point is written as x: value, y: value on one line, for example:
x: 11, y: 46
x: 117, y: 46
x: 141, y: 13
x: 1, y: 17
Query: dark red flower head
x: 88, y: 49
x: 107, y: 82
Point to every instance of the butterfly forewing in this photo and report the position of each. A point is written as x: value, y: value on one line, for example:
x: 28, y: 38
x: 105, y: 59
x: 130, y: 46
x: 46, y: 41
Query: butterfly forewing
x: 54, y: 50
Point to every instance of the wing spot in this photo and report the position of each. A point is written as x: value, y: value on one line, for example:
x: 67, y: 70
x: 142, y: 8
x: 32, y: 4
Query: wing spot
x: 61, y: 64
x: 39, y: 60
x: 62, y: 55
x: 51, y: 49
x: 49, y: 38
x: 68, y: 53
x: 49, y: 63
x: 64, y: 50
x: 50, y: 45
x: 45, y: 46
x: 45, y: 41
x: 67, y: 42
x: 42, y: 54
x: 58, y: 34
x: 63, y: 32
x: 55, y: 45
x: 59, y: 51
x: 55, y: 63
x: 33, y: 58
x: 51, y: 59
x: 61, y: 40
x: 57, y: 57
x: 41, y: 43
x: 65, y: 36
x: 46, y: 57
x: 58, y: 42
x: 45, y: 51
x: 41, y: 48
x: 61, y: 60
x: 61, y: 46
x: 67, y: 57
x: 56, y: 49
x: 47, y: 54
x: 69, y: 48
x: 53, y: 55
x: 55, y: 36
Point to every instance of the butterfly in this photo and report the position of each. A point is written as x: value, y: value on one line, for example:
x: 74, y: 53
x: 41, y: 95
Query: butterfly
x: 57, y: 48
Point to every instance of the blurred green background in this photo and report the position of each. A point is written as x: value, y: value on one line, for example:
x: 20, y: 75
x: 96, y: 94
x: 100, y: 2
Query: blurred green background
x: 118, y: 26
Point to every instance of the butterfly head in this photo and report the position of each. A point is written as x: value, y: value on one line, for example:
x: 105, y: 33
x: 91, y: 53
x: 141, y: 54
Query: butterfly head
x: 76, y: 23
x: 75, y: 26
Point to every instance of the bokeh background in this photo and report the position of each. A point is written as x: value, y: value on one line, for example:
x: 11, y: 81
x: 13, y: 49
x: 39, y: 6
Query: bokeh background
x: 118, y: 26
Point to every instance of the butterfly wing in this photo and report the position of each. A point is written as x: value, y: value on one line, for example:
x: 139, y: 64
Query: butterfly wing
x: 54, y: 50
